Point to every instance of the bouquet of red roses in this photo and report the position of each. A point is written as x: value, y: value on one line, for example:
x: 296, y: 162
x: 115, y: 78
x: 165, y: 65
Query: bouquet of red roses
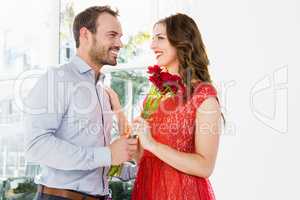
x: 164, y: 85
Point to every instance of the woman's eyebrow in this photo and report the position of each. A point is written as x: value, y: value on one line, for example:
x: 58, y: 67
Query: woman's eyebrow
x: 159, y: 34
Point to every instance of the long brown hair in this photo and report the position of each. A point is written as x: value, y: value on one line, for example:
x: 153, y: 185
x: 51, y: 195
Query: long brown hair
x: 184, y: 35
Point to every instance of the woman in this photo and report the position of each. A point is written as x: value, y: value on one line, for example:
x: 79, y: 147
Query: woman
x: 181, y: 143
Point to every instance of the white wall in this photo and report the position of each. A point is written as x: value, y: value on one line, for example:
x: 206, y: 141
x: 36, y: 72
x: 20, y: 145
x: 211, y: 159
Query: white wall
x: 253, y: 45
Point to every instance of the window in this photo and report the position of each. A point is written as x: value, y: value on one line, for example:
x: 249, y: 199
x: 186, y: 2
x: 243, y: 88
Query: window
x: 28, y: 41
x: 39, y: 35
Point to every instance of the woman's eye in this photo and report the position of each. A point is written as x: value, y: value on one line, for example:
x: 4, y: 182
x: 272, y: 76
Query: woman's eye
x: 158, y: 38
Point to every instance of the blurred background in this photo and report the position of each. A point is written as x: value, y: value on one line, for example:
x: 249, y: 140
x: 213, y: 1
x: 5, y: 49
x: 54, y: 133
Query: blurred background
x: 253, y: 48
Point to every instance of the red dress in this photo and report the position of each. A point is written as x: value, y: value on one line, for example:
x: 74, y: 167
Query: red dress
x: 173, y: 124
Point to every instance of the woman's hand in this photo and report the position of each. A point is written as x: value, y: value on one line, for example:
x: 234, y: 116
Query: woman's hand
x: 138, y: 154
x: 141, y: 128
x: 123, y: 124
x: 114, y: 99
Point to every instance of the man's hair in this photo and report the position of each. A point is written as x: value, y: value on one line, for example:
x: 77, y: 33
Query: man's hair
x: 88, y: 19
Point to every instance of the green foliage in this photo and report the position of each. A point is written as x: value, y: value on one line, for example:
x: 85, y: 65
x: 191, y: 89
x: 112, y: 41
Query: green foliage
x: 121, y: 190
x: 66, y: 19
x: 27, y: 187
x: 118, y: 83
x: 138, y: 79
x: 25, y: 190
x: 132, y: 49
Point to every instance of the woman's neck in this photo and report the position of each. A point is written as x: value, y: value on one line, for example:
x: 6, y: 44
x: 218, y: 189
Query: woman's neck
x: 174, y: 70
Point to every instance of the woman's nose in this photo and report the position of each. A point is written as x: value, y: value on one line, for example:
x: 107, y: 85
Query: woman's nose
x: 153, y: 45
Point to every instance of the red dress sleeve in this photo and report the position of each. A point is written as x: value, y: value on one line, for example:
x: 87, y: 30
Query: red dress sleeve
x: 202, y: 91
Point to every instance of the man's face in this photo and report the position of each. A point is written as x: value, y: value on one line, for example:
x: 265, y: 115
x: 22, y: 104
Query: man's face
x: 106, y: 42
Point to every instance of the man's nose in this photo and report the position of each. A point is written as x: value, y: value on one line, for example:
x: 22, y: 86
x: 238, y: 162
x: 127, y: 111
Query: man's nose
x: 119, y: 43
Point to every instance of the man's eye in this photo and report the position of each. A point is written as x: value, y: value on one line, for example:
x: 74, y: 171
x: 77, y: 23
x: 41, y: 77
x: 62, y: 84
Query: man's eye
x: 160, y: 38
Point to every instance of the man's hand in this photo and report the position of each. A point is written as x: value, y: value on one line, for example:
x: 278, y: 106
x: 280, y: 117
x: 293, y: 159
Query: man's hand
x: 133, y: 147
x: 122, y: 150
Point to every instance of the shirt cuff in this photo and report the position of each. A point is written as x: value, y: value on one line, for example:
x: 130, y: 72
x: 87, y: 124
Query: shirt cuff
x: 102, y: 156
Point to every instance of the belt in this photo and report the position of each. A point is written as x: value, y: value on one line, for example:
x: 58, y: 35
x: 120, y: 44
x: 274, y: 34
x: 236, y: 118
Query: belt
x: 69, y: 194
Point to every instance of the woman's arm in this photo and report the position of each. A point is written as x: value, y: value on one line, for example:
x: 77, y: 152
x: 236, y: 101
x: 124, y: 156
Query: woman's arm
x: 123, y: 124
x: 202, y: 162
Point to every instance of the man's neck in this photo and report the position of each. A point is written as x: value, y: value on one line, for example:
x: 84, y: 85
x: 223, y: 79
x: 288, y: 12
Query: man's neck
x: 95, y: 67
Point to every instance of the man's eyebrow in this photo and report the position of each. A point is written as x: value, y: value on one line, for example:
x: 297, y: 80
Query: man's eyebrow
x: 115, y: 32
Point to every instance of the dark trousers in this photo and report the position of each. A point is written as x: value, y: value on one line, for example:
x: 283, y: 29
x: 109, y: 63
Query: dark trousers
x: 40, y: 196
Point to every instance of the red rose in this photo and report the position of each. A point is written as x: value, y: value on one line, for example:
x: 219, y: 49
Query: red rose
x: 156, y: 81
x: 176, y: 78
x: 165, y: 76
x: 165, y: 81
x: 154, y: 70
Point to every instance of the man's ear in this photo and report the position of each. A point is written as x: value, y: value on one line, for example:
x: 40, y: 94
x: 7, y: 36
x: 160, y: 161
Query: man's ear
x: 84, y: 34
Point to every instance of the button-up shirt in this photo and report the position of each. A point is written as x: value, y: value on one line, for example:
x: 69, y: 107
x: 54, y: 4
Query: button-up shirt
x: 68, y: 120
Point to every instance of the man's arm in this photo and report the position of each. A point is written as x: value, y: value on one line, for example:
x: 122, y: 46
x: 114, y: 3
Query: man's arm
x: 45, y: 108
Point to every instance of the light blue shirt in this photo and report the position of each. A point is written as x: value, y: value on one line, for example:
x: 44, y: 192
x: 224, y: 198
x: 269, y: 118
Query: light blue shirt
x: 68, y: 121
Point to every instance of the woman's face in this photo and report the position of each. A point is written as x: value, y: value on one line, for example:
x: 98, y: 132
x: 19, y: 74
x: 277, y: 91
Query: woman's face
x: 165, y: 53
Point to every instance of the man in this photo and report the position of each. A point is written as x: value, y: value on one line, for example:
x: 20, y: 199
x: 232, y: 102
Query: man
x: 69, y: 116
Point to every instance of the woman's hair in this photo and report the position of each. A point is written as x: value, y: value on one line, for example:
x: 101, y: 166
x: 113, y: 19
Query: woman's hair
x: 184, y: 35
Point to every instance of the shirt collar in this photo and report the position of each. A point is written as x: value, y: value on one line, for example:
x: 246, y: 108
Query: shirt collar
x: 80, y: 64
x: 83, y: 67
